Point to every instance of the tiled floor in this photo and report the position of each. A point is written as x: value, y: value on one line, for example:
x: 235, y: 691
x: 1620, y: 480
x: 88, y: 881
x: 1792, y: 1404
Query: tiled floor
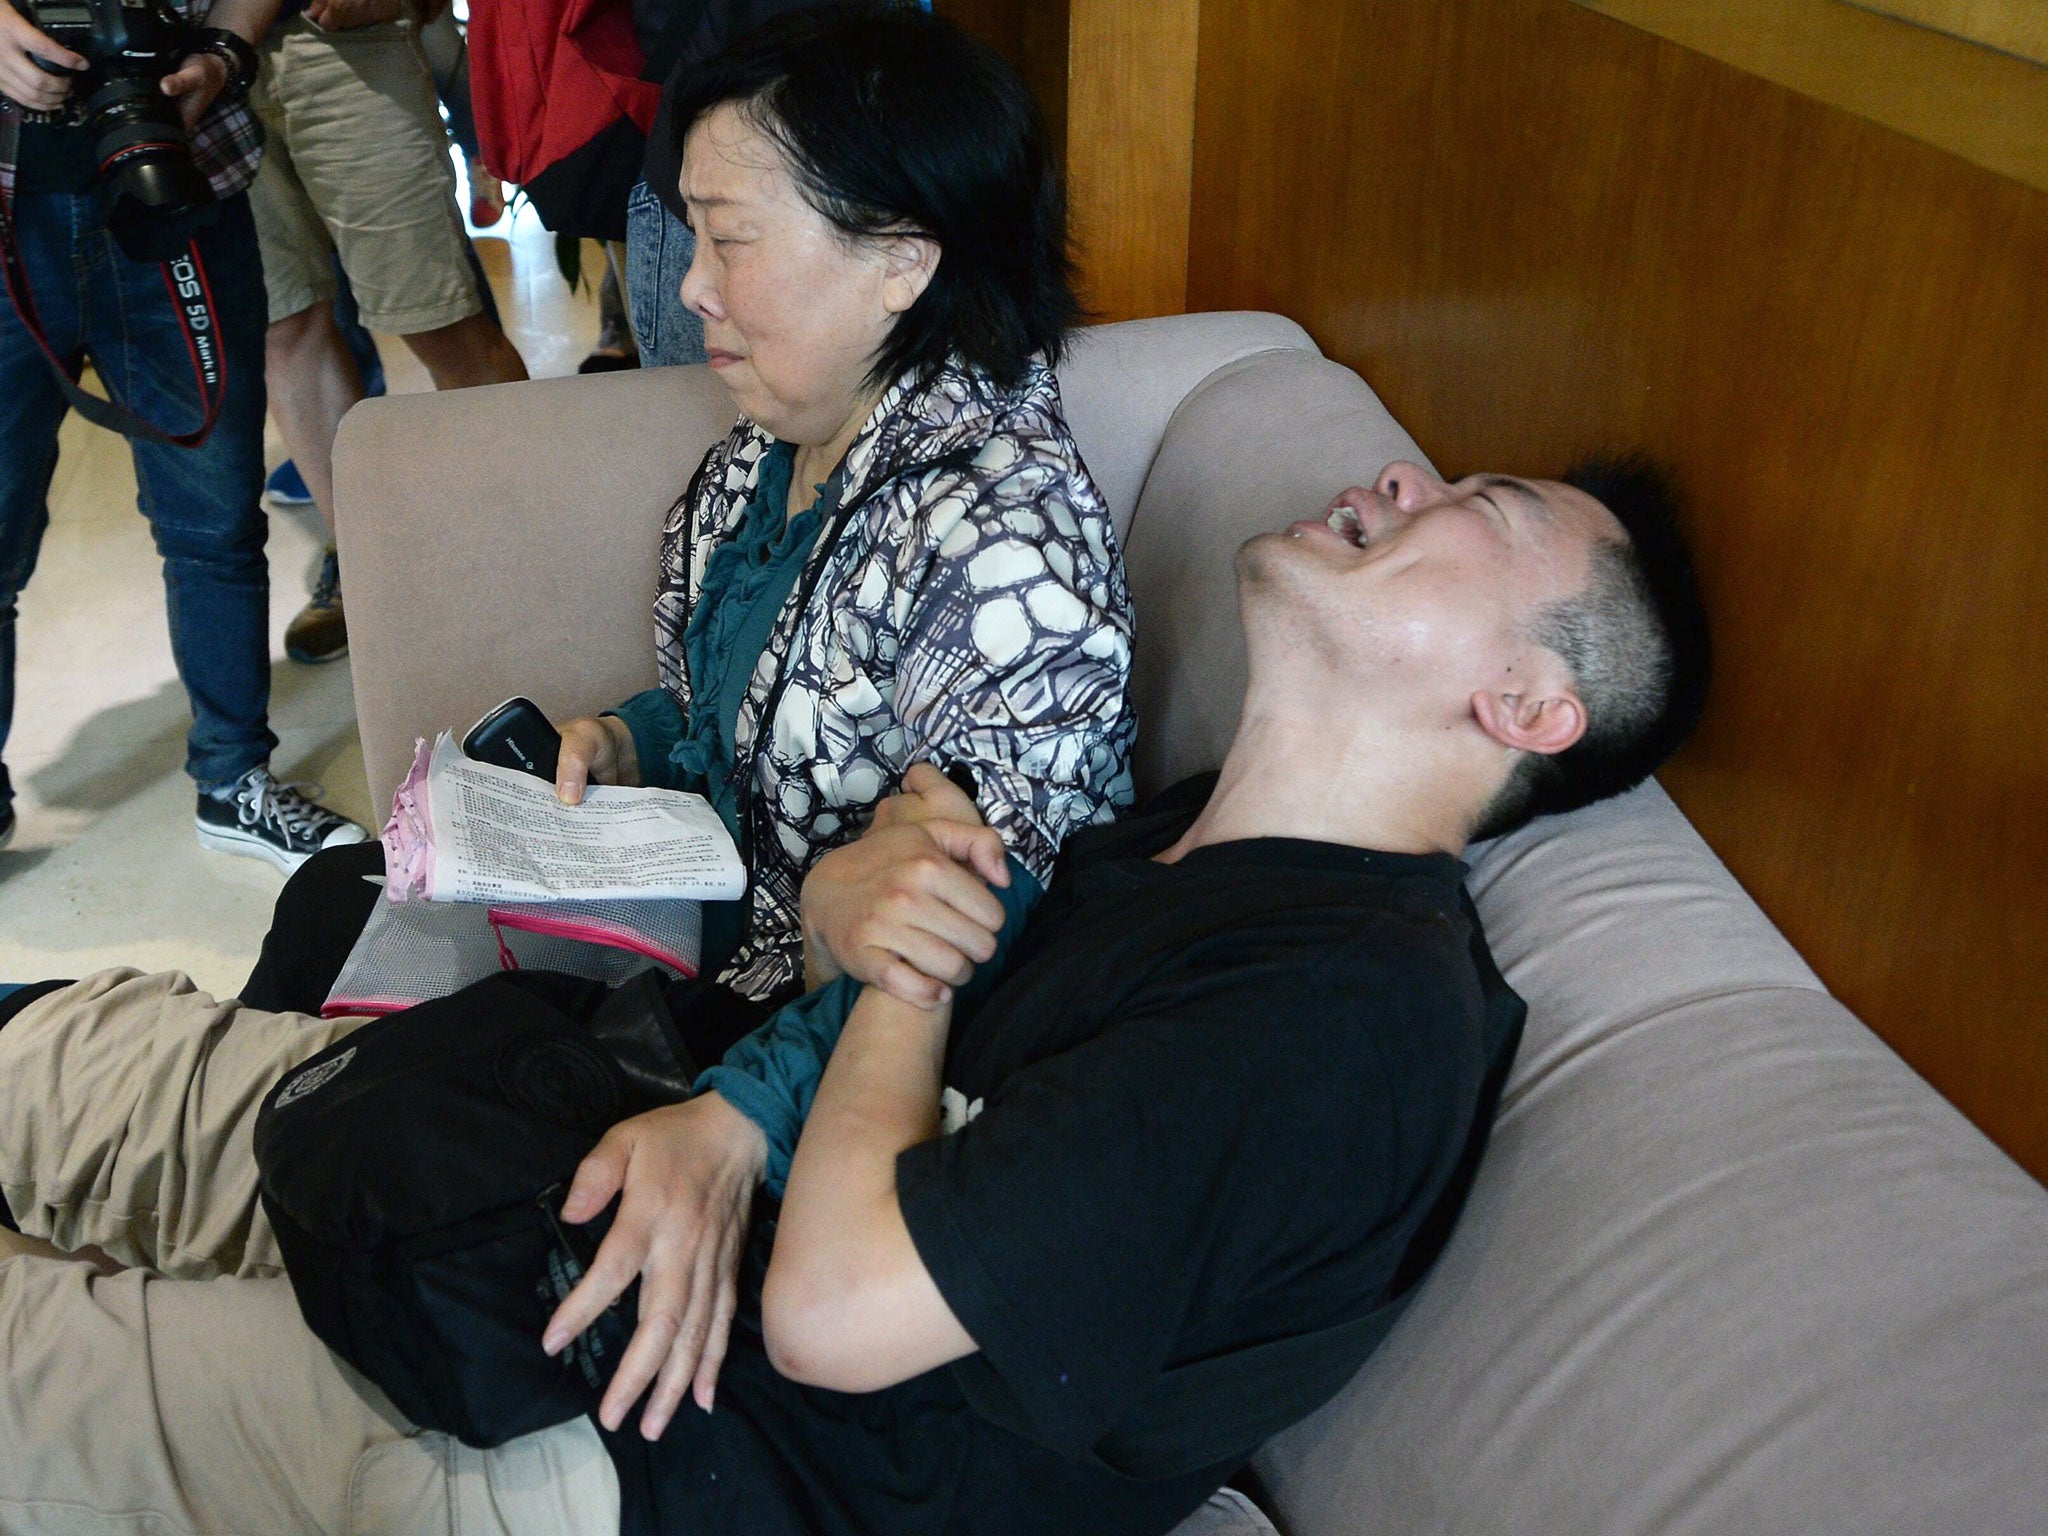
x: 105, y: 869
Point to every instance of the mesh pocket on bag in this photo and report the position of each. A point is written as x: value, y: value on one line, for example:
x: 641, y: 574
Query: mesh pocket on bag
x: 412, y: 951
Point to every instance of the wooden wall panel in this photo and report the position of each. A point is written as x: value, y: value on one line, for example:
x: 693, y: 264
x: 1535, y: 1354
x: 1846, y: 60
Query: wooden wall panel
x: 2016, y: 26
x: 1031, y: 34
x: 1988, y: 107
x: 1539, y: 231
x: 1116, y: 80
x: 1130, y: 151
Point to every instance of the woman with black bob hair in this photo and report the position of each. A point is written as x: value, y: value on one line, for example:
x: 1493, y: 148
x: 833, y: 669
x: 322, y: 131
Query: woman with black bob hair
x: 890, y: 120
x: 897, y: 555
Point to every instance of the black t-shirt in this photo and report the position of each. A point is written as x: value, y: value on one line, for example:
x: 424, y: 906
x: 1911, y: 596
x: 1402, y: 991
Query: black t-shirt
x: 1212, y: 1104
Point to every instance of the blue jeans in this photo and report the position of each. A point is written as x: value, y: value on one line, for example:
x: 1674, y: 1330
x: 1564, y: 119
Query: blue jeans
x: 659, y: 249
x: 202, y: 503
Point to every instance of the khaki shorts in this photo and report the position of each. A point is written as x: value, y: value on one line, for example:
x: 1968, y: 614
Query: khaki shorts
x: 357, y: 162
x: 186, y: 1395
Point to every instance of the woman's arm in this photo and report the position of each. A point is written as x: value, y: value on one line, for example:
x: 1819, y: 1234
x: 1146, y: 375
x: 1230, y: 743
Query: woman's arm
x: 655, y: 722
x: 687, y: 1173
x: 1015, y: 664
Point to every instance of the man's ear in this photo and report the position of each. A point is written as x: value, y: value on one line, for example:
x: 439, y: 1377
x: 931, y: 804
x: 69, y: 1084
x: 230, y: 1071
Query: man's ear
x: 1539, y: 721
x: 913, y: 259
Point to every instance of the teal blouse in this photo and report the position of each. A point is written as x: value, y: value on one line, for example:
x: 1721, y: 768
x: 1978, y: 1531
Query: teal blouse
x: 771, y: 1076
x: 746, y: 582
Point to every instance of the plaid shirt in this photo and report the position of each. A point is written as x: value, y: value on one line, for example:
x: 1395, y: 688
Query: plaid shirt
x: 226, y: 145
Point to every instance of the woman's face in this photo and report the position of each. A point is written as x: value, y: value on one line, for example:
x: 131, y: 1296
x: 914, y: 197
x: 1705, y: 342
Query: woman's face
x: 794, y: 311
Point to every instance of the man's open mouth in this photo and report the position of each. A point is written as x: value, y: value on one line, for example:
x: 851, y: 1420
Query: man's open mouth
x: 1344, y: 522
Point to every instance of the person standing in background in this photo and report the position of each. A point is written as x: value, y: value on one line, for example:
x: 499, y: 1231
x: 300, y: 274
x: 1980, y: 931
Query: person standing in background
x: 201, y: 498
x: 676, y: 35
x: 358, y: 165
x: 447, y: 54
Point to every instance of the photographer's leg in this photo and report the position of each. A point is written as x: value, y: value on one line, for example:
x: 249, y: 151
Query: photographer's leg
x: 204, y: 503
x: 31, y: 408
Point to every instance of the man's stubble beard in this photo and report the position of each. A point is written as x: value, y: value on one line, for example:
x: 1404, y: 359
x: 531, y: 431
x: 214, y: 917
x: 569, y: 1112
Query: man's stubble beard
x: 1281, y: 609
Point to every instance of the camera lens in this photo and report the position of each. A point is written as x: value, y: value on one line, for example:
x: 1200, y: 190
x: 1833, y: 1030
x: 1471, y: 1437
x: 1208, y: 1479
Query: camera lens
x: 156, y: 196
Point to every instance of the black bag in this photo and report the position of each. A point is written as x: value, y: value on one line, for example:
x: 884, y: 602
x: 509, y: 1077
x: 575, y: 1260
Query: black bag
x: 413, y: 1171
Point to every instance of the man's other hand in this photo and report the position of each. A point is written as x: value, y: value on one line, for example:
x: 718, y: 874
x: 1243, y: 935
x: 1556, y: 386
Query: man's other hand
x: 347, y: 15
x: 24, y: 81
x: 595, y: 750
x: 687, y: 1174
x: 907, y: 908
x: 200, y: 78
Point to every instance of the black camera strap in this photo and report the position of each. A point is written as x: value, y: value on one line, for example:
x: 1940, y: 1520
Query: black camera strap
x: 191, y: 300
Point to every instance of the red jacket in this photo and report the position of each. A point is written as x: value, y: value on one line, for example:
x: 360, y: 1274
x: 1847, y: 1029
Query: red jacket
x: 561, y: 109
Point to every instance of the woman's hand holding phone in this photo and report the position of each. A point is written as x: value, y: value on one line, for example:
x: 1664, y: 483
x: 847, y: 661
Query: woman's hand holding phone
x: 595, y: 750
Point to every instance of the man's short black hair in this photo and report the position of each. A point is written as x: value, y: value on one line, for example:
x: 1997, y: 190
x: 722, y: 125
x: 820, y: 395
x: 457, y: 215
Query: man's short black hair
x: 893, y: 120
x: 1636, y: 643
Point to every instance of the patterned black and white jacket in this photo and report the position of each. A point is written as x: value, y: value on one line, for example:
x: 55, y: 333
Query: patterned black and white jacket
x: 966, y: 604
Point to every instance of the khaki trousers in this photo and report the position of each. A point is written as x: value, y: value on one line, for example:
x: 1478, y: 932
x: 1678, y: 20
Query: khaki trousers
x: 185, y: 1394
x: 357, y: 163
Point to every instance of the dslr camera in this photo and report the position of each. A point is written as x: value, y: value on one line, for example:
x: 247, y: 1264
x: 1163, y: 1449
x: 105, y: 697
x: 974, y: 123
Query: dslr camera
x: 156, y: 195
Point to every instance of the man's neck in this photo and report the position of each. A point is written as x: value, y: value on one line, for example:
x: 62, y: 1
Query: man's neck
x: 1330, y: 780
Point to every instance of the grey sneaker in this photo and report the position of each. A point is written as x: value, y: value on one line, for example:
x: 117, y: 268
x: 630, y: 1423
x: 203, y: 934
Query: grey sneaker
x: 320, y: 632
x: 264, y: 819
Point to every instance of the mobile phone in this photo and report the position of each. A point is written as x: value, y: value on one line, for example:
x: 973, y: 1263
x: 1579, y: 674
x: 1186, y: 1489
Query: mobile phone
x: 516, y: 735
